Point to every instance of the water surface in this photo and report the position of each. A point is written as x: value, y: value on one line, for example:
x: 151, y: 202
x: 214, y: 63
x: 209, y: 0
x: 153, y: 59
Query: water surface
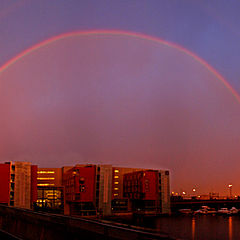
x: 194, y: 228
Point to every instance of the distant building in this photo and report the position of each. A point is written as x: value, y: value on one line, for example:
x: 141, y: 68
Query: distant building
x: 213, y: 195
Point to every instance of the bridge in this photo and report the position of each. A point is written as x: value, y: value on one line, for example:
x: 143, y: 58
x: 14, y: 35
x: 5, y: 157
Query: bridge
x: 26, y: 224
x: 195, y: 204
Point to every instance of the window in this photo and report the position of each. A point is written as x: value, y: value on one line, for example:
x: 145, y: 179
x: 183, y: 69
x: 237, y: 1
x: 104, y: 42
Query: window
x: 12, y: 177
x: 81, y: 180
x: 45, y: 184
x: 81, y: 188
x: 45, y: 172
x: 45, y: 178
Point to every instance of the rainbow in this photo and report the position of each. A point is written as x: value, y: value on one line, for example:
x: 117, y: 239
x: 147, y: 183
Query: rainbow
x: 120, y: 33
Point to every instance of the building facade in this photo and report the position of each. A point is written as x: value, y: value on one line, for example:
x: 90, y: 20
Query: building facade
x: 5, y: 184
x: 147, y: 190
x: 49, y: 190
x: 18, y: 184
x: 84, y: 189
x: 79, y: 190
x: 115, y: 190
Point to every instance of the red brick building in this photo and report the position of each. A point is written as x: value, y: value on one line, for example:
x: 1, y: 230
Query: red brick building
x: 145, y: 188
x: 79, y: 190
x: 5, y: 184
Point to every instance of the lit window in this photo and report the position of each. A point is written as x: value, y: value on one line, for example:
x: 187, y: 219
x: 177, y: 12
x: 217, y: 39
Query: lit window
x: 116, y: 176
x: 115, y: 194
x: 46, y: 172
x: 116, y: 188
x: 45, y: 178
x: 116, y: 170
x: 116, y: 182
x: 45, y: 184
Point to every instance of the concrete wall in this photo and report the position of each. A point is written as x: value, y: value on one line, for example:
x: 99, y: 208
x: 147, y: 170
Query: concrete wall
x: 30, y: 225
x: 165, y: 192
x: 22, y: 192
x: 105, y: 195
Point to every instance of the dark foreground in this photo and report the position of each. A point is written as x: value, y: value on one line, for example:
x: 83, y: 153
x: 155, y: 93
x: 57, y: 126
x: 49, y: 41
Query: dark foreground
x: 5, y: 235
x: 26, y: 224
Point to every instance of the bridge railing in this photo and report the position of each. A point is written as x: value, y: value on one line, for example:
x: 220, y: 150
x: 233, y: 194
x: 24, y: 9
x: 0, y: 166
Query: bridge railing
x: 27, y: 224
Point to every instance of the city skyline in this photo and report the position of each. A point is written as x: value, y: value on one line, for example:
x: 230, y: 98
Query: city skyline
x: 114, y: 98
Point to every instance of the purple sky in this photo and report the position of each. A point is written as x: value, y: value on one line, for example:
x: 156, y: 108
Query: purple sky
x: 122, y: 100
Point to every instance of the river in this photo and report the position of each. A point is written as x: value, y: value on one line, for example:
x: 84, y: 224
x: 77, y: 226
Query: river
x: 202, y: 227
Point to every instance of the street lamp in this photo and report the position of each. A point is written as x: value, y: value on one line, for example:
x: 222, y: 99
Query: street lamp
x: 230, y: 190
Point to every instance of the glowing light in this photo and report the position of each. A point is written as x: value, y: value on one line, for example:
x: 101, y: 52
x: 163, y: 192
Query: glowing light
x: 230, y: 185
x: 183, y: 193
x: 42, y: 172
x: 116, y: 176
x: 120, y: 33
x: 45, y: 184
x: 116, y: 170
x: 45, y: 178
x: 194, y: 189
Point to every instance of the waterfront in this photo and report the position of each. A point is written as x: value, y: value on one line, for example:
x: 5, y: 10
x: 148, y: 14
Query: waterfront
x: 200, y: 227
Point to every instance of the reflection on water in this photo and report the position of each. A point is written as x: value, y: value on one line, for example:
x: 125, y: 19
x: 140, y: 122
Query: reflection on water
x: 195, y: 228
x: 230, y: 228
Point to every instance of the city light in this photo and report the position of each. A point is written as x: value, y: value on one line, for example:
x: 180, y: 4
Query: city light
x: 230, y: 190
